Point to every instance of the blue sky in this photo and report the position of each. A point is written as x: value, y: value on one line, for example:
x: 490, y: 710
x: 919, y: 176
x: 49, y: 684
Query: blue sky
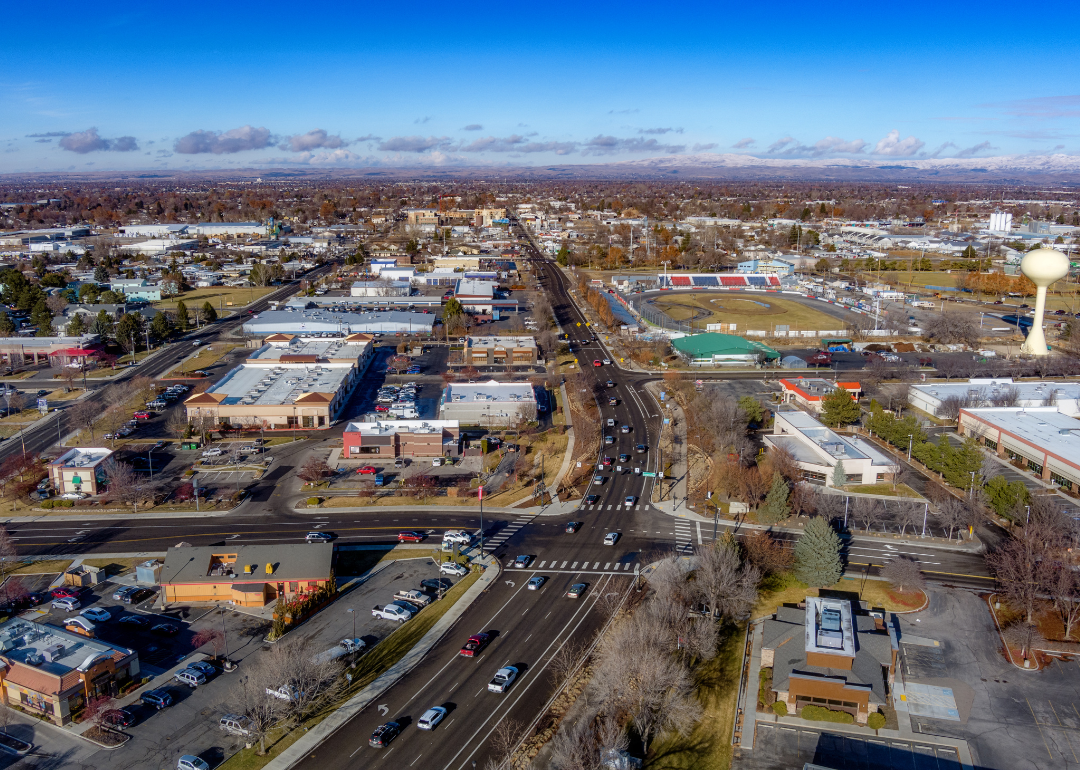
x: 272, y: 84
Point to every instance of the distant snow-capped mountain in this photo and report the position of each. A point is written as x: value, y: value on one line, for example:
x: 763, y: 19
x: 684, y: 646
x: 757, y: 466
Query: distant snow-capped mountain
x: 1016, y: 163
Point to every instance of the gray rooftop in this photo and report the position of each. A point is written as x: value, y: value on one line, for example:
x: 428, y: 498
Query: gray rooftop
x: 62, y: 650
x: 272, y: 385
x: 299, y: 561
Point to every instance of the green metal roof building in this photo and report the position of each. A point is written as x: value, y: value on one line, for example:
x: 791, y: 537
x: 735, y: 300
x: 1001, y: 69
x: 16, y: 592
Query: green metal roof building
x: 721, y: 349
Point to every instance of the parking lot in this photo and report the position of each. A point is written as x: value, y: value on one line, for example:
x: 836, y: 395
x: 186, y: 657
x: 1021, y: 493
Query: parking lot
x: 780, y: 747
x: 189, y: 726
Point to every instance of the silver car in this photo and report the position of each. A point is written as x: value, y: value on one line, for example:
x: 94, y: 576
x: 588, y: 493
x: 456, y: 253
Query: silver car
x: 431, y: 718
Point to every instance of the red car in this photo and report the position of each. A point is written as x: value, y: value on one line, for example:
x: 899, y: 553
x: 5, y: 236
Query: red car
x: 597, y: 363
x: 63, y: 592
x: 142, y: 415
x: 410, y: 536
x: 366, y: 469
x: 474, y: 645
x: 382, y: 408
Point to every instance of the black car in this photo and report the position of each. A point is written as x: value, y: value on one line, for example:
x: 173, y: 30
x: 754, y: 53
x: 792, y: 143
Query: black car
x: 137, y: 597
x: 572, y: 526
x: 437, y: 584
x: 165, y: 629
x: 590, y: 499
x: 641, y: 449
x: 383, y: 734
x: 136, y: 621
x: 124, y: 717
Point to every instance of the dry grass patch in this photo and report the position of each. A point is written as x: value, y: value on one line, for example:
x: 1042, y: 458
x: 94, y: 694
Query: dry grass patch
x: 203, y: 359
x: 223, y: 298
x: 43, y: 567
x: 115, y: 566
x: 785, y: 589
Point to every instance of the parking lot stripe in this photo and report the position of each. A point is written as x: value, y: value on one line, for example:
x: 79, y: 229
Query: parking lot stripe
x: 541, y: 565
x: 563, y: 565
x: 1039, y: 727
x: 607, y: 566
x: 574, y: 565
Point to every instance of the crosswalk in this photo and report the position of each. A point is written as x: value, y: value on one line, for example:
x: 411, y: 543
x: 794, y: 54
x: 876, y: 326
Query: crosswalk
x: 618, y: 567
x: 506, y: 532
x: 612, y: 507
x: 684, y: 536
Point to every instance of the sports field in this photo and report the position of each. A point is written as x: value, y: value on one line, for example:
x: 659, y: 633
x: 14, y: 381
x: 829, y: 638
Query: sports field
x: 223, y: 298
x: 763, y: 311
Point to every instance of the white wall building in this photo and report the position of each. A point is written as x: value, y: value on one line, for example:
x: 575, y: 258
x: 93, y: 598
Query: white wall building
x: 1000, y: 391
x: 817, y: 450
x: 488, y: 403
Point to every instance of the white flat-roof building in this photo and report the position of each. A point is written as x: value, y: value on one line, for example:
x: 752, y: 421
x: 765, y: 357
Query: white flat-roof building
x: 234, y: 229
x: 160, y: 246
x: 79, y: 470
x: 152, y: 231
x: 1000, y: 391
x: 380, y: 289
x: 818, y: 449
x: 290, y: 382
x: 488, y: 403
x: 316, y: 320
x: 1041, y: 439
x: 401, y: 438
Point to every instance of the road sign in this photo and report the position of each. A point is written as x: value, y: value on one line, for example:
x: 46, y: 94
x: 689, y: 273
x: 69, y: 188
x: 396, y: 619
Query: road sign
x: 43, y: 405
x: 649, y: 474
x: 579, y: 323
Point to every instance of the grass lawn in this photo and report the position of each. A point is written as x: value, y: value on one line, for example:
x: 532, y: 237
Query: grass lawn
x: 747, y: 312
x: 785, y: 589
x: 902, y: 490
x: 381, y: 657
x: 203, y: 359
x: 708, y: 747
x: 552, y: 445
x: 42, y: 567
x: 221, y: 297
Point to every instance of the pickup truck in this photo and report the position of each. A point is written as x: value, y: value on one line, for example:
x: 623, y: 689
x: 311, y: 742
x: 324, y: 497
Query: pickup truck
x: 342, y: 648
x: 285, y: 692
x: 414, y: 597
x: 391, y: 612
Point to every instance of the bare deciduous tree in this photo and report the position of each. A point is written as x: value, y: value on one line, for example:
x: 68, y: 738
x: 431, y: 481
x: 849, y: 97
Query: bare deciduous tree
x: 904, y: 575
x: 909, y: 514
x: 1025, y: 636
x: 867, y: 511
x: 1016, y: 565
x: 724, y: 584
x: 564, y: 662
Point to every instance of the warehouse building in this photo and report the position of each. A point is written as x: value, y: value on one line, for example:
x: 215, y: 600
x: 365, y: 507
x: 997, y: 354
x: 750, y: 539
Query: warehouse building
x: 317, y: 320
x: 380, y: 289
x: 941, y: 398
x: 488, y: 403
x: 1039, y: 439
x: 401, y: 438
x: 818, y: 450
x: 715, y: 349
x: 290, y: 382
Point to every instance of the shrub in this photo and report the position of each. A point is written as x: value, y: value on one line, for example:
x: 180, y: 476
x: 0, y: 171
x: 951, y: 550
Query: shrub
x: 822, y: 714
x: 66, y: 503
x: 875, y: 721
x: 314, y: 500
x: 780, y: 707
x: 47, y: 504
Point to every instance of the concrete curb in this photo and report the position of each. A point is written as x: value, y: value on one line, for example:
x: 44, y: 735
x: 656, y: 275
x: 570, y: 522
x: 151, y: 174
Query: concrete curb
x: 310, y: 740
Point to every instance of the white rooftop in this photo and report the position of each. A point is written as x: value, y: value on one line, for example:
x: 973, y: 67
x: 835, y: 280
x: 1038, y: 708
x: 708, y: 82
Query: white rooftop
x: 1043, y: 426
x: 488, y: 392
x: 839, y: 447
x: 84, y: 457
x: 501, y: 342
x: 985, y: 389
x: 468, y: 287
x: 391, y: 427
x: 330, y: 348
x: 829, y: 628
x: 283, y: 384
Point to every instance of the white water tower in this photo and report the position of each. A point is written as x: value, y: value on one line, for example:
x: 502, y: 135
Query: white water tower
x: 1042, y: 267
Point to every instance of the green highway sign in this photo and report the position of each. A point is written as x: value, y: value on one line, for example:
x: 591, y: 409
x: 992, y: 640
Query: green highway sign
x: 649, y: 474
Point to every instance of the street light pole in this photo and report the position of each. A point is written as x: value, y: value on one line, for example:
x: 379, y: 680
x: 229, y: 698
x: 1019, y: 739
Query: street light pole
x: 909, y: 438
x: 352, y: 611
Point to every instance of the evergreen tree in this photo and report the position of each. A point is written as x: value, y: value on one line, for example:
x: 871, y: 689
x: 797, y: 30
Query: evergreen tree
x: 182, y: 320
x: 839, y: 408
x: 103, y: 324
x: 76, y: 326
x: 752, y: 407
x: 101, y: 274
x: 161, y: 326
x: 776, y: 507
x: 42, y: 318
x: 209, y: 312
x: 7, y: 326
x: 817, y: 554
x: 839, y: 474
x: 129, y: 331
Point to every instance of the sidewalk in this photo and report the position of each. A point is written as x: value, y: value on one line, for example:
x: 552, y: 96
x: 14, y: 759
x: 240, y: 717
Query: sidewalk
x: 340, y: 717
x: 677, y: 477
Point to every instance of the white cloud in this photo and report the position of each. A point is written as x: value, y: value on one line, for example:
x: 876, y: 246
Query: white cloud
x: 892, y: 145
x: 312, y: 140
x: 235, y: 140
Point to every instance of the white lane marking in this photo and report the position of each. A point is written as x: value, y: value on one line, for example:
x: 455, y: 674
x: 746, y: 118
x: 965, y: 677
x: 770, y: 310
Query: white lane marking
x: 698, y: 532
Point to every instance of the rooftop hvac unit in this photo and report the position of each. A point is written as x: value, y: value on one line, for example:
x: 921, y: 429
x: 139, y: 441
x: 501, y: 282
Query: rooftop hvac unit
x: 53, y: 652
x: 835, y: 448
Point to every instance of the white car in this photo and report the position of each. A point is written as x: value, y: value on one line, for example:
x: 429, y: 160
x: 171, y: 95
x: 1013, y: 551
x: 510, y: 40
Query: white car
x: 504, y: 677
x: 611, y: 538
x: 458, y: 536
x: 191, y: 762
x: 73, y: 496
x: 430, y: 718
x: 449, y: 568
x: 196, y: 343
x: 96, y: 614
x: 352, y: 645
x: 611, y: 422
x: 607, y: 362
x: 215, y: 452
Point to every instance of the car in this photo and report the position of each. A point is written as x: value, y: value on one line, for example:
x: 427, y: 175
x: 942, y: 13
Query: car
x: 624, y: 429
x: 612, y: 401
x: 430, y: 718
x: 40, y: 494
x: 437, y: 584
x: 641, y: 449
x: 138, y: 596
x: 607, y: 362
x: 165, y: 629
x: 124, y: 717
x: 142, y: 415
x: 203, y: 668
x: 136, y: 621
x: 352, y: 645
x: 251, y: 448
x: 457, y: 536
x: 366, y: 469
x: 66, y: 603
x: 235, y: 724
x: 159, y: 699
x: 215, y: 452
x: 572, y: 527
x: 96, y: 614
x: 606, y: 462
x: 450, y: 568
x: 590, y: 499
x: 609, y: 440
x: 611, y: 538
x: 383, y: 734
x: 624, y: 458
x: 318, y: 537
x: 998, y: 302
x: 410, y: 536
x: 596, y: 363
x: 64, y: 592
x: 522, y: 561
x: 630, y: 500
x: 535, y: 583
x: 413, y: 597
x: 191, y: 762
x: 598, y: 479
x: 576, y: 590
x: 74, y: 496
x: 610, y: 422
x: 610, y: 384
x: 474, y: 644
x: 502, y: 680
x: 190, y: 677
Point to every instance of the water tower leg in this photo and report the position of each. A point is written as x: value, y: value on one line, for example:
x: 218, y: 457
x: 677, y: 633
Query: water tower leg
x: 1035, y: 344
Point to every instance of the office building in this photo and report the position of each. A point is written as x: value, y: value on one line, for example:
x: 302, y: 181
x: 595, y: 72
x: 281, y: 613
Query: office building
x: 940, y: 398
x: 500, y: 351
x: 817, y: 450
x: 321, y: 321
x: 1039, y: 439
x: 401, y: 438
x: 488, y: 403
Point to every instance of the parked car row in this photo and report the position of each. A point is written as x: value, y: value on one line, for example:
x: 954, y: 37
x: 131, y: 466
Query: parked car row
x: 171, y: 393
